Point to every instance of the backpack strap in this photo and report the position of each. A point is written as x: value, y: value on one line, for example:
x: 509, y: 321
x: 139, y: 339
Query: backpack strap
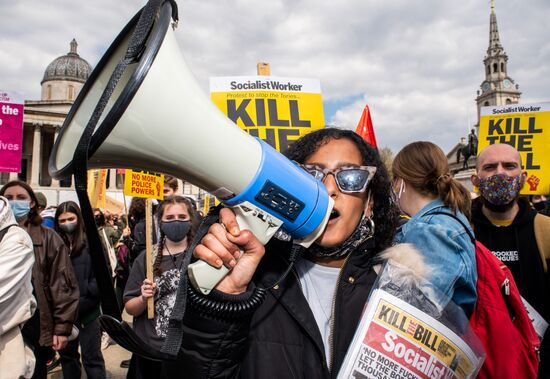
x: 4, y: 231
x: 470, y: 234
x: 542, y: 235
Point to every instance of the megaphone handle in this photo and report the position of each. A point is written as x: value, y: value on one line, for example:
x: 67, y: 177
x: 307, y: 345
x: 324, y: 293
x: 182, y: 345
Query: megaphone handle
x: 262, y: 224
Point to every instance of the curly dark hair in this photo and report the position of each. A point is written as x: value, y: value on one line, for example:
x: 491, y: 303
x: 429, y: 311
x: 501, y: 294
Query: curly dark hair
x: 384, y: 212
x: 136, y: 212
x: 137, y: 208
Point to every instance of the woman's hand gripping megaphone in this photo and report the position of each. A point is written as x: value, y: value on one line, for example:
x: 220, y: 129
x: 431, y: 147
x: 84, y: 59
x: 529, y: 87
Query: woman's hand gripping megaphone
x: 238, y: 250
x: 241, y: 227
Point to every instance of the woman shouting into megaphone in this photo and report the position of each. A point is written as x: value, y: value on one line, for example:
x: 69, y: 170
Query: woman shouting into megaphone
x: 305, y: 324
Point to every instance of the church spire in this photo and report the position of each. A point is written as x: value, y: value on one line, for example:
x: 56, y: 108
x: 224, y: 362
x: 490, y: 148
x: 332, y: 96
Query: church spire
x: 498, y: 88
x: 494, y: 39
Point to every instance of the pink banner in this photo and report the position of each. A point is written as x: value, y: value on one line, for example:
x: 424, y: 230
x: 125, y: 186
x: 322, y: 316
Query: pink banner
x: 11, y: 132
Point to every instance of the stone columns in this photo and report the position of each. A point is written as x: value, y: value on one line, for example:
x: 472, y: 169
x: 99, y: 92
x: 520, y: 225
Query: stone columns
x: 36, y: 156
x: 112, y: 179
x: 55, y: 182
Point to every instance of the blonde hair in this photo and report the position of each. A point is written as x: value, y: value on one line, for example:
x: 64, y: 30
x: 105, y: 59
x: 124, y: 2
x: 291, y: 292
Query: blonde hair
x: 424, y: 166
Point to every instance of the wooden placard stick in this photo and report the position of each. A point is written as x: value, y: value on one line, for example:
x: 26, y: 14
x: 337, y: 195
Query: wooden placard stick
x: 149, y: 253
x: 125, y: 210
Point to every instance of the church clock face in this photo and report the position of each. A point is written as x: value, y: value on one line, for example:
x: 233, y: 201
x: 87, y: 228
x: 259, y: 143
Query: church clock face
x: 507, y: 83
x: 486, y: 87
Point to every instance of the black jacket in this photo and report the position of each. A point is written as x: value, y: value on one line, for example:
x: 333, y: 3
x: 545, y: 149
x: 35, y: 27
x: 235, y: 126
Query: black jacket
x: 281, y: 340
x: 136, y: 242
x: 516, y: 246
x: 87, y: 284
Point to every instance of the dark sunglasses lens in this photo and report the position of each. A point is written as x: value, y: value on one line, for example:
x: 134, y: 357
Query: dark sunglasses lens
x: 352, y: 180
x: 317, y: 174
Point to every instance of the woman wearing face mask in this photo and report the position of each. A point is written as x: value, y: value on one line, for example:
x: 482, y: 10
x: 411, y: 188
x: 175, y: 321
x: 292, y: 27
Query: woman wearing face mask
x: 178, y: 224
x: 422, y: 187
x: 69, y: 224
x: 54, y: 282
x: 304, y: 325
x: 17, y: 303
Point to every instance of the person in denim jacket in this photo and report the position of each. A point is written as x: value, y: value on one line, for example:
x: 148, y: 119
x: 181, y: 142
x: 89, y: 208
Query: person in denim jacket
x: 423, y: 186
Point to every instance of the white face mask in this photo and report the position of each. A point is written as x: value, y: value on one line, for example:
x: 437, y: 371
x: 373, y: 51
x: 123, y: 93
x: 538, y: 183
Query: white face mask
x: 396, y: 196
x: 401, y: 189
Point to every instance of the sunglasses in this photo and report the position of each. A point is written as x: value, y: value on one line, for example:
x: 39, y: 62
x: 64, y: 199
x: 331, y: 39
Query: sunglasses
x: 348, y: 179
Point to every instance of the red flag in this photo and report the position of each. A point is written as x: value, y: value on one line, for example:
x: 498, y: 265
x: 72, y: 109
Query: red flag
x: 365, y: 129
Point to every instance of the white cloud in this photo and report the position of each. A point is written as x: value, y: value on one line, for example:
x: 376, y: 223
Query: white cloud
x: 417, y: 64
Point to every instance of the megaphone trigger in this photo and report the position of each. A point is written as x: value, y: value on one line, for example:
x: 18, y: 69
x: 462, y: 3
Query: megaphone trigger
x: 263, y: 225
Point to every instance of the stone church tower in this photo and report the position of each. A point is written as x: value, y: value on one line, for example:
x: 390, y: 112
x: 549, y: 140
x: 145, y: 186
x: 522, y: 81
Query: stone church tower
x: 497, y: 88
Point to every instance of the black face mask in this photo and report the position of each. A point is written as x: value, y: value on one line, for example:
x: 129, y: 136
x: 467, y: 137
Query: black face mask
x: 68, y: 227
x: 175, y: 230
x: 540, y: 206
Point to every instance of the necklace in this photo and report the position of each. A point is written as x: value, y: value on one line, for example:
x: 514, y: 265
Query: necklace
x: 173, y: 256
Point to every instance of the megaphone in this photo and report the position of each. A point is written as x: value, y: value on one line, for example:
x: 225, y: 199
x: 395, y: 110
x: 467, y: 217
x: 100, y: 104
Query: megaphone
x: 158, y: 119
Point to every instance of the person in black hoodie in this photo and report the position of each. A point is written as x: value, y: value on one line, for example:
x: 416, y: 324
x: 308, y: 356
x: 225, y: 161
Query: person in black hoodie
x: 306, y: 323
x: 70, y: 226
x: 504, y: 223
x: 133, y: 236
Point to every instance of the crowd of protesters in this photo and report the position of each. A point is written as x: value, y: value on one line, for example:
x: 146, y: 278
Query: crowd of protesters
x: 50, y: 302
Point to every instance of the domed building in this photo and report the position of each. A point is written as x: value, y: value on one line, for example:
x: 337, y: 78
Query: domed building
x: 65, y: 76
x: 63, y: 79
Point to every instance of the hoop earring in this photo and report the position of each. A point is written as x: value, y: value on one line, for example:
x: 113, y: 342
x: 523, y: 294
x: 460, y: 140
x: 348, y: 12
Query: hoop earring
x: 367, y: 206
x: 370, y: 223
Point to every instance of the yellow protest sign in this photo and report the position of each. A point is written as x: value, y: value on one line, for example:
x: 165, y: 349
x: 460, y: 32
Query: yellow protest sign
x: 527, y: 128
x: 277, y: 110
x: 97, y: 187
x: 144, y: 184
x: 209, y: 201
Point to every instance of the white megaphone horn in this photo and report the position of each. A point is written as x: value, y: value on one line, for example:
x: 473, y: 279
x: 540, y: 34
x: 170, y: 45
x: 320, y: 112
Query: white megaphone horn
x: 158, y: 119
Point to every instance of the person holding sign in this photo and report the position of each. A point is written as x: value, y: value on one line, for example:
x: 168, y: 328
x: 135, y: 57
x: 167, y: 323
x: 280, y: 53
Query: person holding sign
x: 423, y: 186
x: 513, y: 231
x: 305, y: 324
x: 178, y: 224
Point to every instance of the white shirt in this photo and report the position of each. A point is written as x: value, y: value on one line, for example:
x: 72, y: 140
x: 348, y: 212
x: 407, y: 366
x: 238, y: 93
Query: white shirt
x: 319, y: 287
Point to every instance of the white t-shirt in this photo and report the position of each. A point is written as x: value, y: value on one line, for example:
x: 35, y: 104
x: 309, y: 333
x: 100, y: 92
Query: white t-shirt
x: 319, y: 287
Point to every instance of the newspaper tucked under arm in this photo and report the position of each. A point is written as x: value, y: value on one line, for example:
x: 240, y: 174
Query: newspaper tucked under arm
x: 404, y: 334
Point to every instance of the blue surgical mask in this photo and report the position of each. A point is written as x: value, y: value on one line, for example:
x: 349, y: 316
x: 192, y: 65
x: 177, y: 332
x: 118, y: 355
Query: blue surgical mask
x: 20, y: 208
